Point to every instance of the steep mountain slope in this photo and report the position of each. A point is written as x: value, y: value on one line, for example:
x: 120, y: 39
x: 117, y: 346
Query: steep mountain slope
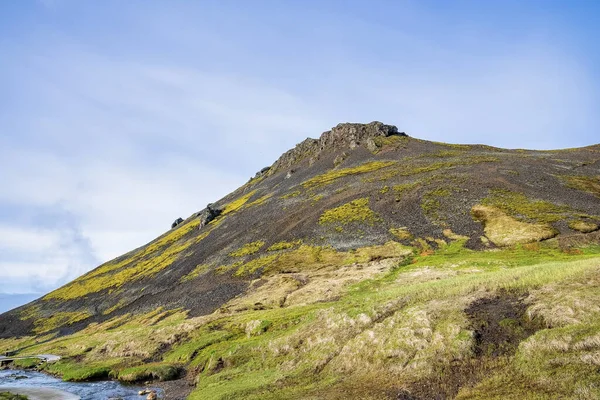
x: 363, y: 253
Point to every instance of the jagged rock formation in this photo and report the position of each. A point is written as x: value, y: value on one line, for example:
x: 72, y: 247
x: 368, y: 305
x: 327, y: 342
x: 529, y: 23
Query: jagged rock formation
x: 208, y: 214
x: 345, y: 135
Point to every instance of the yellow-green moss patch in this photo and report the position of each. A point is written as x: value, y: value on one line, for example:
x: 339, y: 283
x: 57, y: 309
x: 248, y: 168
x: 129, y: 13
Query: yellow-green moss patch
x: 504, y: 230
x: 588, y: 184
x: 252, y: 266
x: 401, y: 233
x: 199, y: 270
x: 238, y: 203
x: 355, y: 211
x: 330, y: 176
x: 248, y: 249
x: 284, y: 245
x: 59, y: 319
x: 583, y: 226
x: 519, y: 206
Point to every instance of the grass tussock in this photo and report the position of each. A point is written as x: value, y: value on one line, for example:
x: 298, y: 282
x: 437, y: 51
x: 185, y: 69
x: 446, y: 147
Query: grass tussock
x: 583, y: 226
x: 149, y: 372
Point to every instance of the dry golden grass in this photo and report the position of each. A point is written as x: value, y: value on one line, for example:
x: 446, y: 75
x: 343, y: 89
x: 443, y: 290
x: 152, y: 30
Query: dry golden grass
x: 503, y: 230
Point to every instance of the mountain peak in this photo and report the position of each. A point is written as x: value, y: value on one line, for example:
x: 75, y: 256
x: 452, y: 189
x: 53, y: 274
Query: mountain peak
x: 346, y: 135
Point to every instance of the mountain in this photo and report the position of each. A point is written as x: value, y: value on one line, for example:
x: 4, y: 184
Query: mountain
x: 365, y: 263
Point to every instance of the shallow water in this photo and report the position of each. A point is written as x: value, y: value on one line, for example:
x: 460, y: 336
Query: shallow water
x: 101, y: 390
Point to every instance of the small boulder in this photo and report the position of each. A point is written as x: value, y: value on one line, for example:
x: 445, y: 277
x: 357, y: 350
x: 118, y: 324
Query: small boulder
x: 176, y: 222
x: 152, y: 396
x: 208, y: 214
x: 144, y: 392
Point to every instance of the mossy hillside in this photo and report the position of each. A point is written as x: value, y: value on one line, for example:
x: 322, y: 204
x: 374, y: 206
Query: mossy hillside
x: 584, y: 183
x: 248, y: 249
x: 520, y: 206
x: 241, y: 354
x: 242, y: 377
x: 335, y: 174
x: 153, y: 258
x: 355, y: 211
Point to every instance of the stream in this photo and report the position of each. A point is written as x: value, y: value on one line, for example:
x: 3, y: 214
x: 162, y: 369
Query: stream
x: 99, y: 390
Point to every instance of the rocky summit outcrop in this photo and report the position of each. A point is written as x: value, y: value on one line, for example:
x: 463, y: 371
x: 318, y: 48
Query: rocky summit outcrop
x: 342, y: 136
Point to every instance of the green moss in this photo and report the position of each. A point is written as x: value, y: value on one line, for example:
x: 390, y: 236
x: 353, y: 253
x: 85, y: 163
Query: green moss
x: 284, y: 245
x: 519, y: 206
x: 238, y: 203
x: 199, y: 270
x: 75, y: 372
x: 401, y: 233
x: 248, y: 249
x: 291, y: 194
x: 410, y: 167
x: 583, y: 226
x: 404, y: 188
x: 228, y: 267
x: 26, y: 363
x: 334, y: 174
x: 584, y: 183
x: 259, y: 201
x: 253, y: 265
x: 354, y: 211
x: 59, y: 319
x: 149, y: 372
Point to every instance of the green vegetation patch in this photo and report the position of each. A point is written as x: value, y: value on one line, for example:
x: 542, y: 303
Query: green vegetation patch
x: 59, y: 319
x: 355, y: 211
x: 71, y: 371
x: 248, y: 249
x: 334, y: 174
x: 504, y: 230
x: 196, y: 272
x: 149, y: 372
x: 253, y: 265
x: 401, y: 233
x: 583, y: 226
x: 409, y: 168
x: 519, y: 206
x: 26, y: 363
x: 284, y: 245
x: 238, y: 203
x: 588, y: 184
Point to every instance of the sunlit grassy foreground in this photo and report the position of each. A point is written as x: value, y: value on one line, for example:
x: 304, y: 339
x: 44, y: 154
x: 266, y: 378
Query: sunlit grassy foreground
x: 386, y: 331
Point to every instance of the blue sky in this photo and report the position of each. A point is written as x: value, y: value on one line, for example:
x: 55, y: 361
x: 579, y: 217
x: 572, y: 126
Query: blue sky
x: 116, y: 117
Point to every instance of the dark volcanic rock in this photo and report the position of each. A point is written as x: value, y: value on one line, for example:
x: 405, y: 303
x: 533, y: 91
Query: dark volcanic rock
x: 208, y: 214
x: 342, y: 136
x: 176, y: 222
